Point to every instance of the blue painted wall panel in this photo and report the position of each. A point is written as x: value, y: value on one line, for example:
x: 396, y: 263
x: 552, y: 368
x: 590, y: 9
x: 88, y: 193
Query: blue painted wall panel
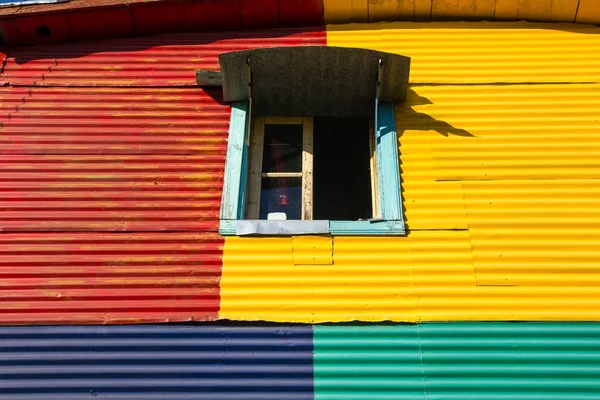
x: 156, y: 362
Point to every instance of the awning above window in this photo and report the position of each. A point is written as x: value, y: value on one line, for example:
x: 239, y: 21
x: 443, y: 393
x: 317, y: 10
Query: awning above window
x: 314, y: 80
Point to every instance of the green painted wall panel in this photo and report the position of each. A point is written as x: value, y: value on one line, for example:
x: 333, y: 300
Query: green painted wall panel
x: 451, y: 361
x: 367, y: 362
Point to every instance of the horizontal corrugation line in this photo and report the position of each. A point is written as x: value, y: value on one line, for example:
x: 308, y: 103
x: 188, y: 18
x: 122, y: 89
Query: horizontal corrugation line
x: 109, y: 277
x: 482, y: 52
x: 162, y: 60
x: 500, y: 361
x: 111, y: 159
x: 110, y: 196
x: 367, y: 362
x: 501, y: 201
x: 161, y: 362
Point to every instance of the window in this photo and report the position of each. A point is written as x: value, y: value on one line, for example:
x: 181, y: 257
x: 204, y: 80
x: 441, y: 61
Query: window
x: 330, y: 167
x: 321, y: 174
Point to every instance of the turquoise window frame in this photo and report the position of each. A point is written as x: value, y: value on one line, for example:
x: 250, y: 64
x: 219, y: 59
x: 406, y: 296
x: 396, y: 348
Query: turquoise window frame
x: 235, y: 184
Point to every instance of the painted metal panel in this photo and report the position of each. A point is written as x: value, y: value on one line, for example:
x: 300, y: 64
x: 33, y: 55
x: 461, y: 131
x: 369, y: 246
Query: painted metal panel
x: 367, y: 362
x: 344, y: 11
x: 162, y: 154
x: 163, y: 60
x: 458, y: 361
x: 109, y: 277
x: 161, y: 362
x: 483, y: 52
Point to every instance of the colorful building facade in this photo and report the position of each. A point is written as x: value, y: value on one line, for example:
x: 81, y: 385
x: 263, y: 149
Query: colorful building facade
x: 116, y: 283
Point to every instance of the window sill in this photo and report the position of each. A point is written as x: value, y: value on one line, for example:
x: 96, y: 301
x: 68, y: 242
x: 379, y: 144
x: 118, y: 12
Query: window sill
x: 295, y: 228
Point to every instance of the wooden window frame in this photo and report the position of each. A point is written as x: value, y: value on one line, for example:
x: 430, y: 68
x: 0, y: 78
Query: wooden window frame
x: 385, y: 173
x: 256, y: 167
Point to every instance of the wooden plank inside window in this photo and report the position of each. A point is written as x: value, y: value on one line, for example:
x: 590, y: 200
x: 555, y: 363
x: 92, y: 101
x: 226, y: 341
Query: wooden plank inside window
x: 307, y: 169
x: 374, y: 174
x: 256, y: 158
x: 282, y: 174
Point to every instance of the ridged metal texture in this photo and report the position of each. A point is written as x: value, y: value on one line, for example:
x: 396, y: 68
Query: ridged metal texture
x: 111, y: 159
x: 161, y: 60
x: 53, y: 278
x: 482, y: 52
x: 500, y: 190
x: 156, y: 362
x: 340, y: 11
x: 502, y: 361
x: 85, y: 171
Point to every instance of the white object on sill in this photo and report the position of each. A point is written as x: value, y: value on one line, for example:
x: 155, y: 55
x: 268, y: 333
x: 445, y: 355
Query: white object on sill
x: 276, y: 216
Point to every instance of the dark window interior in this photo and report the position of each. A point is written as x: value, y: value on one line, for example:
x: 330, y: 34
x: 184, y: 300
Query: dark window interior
x: 341, y: 169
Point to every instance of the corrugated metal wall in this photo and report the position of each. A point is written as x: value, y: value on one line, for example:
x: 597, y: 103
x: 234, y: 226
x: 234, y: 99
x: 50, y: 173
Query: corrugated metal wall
x: 340, y: 11
x: 499, y: 142
x: 162, y: 60
x: 458, y: 361
x: 119, y: 141
x: 435, y: 361
x: 156, y: 362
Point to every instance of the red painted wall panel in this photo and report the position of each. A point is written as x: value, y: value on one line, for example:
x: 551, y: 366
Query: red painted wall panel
x: 109, y: 277
x: 259, y: 13
x: 158, y: 17
x: 208, y: 15
x: 162, y: 60
x: 300, y: 12
x: 112, y: 22
x: 110, y: 192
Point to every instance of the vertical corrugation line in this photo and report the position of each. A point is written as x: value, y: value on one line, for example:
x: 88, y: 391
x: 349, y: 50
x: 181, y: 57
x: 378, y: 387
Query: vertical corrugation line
x: 160, y: 362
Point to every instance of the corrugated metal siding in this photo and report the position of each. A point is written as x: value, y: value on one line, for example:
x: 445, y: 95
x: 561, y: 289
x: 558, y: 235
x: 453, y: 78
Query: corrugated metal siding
x: 458, y: 361
x: 483, y: 52
x: 367, y: 362
x: 162, y: 60
x: 520, y: 164
x: 160, y: 168
x: 511, y: 361
x: 501, y: 198
x: 340, y: 11
x: 50, y: 278
x: 107, y: 159
x: 156, y: 362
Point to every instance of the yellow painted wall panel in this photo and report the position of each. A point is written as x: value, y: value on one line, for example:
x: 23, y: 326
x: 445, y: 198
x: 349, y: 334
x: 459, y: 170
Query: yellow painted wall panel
x: 483, y: 52
x: 423, y: 10
x: 564, y: 10
x: 500, y: 188
x: 535, y: 232
x: 444, y: 10
x: 506, y: 10
x: 340, y: 11
x: 535, y: 10
x: 391, y: 10
x: 370, y: 280
x: 588, y: 12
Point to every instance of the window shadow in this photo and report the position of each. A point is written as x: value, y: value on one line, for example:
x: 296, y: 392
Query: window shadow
x: 409, y: 119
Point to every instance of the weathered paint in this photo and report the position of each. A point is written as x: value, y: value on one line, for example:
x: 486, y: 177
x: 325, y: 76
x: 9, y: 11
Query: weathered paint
x: 344, y: 11
x: 499, y: 188
x: 164, y: 60
x: 79, y: 20
x: 160, y: 362
x: 458, y: 361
